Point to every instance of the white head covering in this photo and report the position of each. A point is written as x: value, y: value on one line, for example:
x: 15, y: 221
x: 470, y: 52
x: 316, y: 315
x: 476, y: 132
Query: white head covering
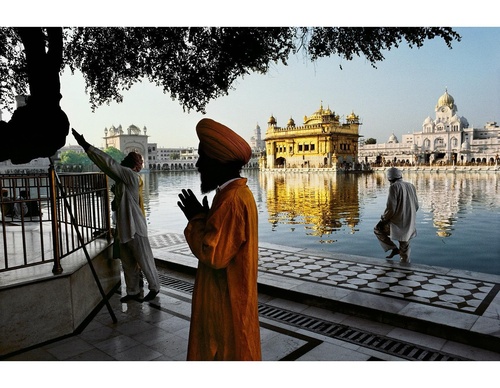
x: 393, y: 173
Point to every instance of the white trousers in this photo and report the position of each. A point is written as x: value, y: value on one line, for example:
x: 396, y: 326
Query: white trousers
x: 386, y: 243
x: 136, y: 256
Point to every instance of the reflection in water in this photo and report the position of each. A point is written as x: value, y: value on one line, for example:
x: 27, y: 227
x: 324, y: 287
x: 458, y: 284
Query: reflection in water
x: 445, y: 196
x: 337, y: 212
x: 331, y: 202
x: 320, y: 201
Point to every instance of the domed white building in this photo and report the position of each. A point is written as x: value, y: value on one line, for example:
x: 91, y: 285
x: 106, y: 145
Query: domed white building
x: 127, y: 141
x: 441, y: 138
x: 393, y: 139
x: 446, y: 139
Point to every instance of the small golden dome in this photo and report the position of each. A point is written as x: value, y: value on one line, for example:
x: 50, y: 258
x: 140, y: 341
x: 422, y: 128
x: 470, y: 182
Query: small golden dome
x: 352, y: 117
x: 446, y: 100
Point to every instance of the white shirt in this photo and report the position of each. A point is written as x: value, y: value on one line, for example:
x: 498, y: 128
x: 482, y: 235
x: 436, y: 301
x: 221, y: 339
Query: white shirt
x: 226, y: 183
x: 130, y: 219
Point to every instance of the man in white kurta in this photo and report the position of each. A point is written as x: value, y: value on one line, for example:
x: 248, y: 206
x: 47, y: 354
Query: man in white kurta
x: 135, y: 251
x: 399, y: 219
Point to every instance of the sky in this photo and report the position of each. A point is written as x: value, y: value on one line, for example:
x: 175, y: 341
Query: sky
x: 396, y: 97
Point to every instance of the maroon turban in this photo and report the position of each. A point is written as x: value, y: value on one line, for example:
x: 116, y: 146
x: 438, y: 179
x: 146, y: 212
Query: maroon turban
x: 222, y: 143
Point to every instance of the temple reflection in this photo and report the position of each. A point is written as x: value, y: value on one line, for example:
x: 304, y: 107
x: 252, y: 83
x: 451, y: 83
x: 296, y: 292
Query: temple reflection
x: 337, y: 212
x: 322, y: 202
x: 446, y: 196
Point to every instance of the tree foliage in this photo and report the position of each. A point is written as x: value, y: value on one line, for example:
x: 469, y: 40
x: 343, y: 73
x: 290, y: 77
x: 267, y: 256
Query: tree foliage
x: 74, y: 158
x: 115, y: 153
x: 192, y: 65
x: 371, y: 42
x: 195, y: 65
x: 40, y: 126
x: 371, y: 140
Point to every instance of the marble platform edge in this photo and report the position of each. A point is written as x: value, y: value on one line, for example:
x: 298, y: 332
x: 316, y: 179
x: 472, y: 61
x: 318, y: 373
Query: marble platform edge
x: 52, y: 307
x: 382, y: 261
x: 43, y: 272
x: 457, y: 326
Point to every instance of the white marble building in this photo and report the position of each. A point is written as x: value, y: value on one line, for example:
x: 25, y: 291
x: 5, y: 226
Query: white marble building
x: 128, y: 141
x: 161, y: 158
x: 256, y: 142
x: 446, y: 139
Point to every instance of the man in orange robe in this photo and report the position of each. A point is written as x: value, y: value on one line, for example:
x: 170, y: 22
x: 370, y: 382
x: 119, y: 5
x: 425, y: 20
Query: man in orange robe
x: 224, y: 315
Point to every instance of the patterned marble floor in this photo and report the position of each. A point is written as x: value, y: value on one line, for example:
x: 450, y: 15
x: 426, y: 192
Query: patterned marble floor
x: 467, y: 295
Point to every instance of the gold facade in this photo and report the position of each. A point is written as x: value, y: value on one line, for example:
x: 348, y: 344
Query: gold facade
x: 323, y: 141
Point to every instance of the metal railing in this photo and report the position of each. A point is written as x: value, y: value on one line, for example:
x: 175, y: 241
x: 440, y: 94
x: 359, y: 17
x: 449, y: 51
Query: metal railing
x: 46, y: 217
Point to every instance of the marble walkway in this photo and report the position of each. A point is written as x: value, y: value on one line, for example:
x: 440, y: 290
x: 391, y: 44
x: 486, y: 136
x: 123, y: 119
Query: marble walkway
x: 314, y: 306
x: 451, y: 304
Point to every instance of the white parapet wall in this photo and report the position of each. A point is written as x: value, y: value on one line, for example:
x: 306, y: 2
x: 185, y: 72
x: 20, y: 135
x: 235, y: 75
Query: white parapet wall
x: 38, y: 306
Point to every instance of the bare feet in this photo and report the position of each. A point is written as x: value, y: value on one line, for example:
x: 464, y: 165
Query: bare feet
x: 394, y: 252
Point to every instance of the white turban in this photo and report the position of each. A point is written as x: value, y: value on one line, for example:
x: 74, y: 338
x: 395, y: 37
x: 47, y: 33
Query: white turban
x: 394, y: 173
x: 222, y: 143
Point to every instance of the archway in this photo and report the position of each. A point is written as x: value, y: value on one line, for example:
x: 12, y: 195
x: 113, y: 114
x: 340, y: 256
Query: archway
x: 280, y: 162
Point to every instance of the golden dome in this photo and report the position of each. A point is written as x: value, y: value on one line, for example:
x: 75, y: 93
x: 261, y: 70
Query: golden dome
x: 291, y: 123
x: 352, y: 117
x: 446, y: 100
x: 320, y: 110
x: 272, y: 120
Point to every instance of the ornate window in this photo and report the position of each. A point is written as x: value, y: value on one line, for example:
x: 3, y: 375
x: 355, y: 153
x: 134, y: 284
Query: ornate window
x: 439, y: 142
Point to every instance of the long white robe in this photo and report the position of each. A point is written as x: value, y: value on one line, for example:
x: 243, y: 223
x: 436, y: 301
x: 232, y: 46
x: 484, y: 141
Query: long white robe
x: 135, y: 250
x: 401, y: 210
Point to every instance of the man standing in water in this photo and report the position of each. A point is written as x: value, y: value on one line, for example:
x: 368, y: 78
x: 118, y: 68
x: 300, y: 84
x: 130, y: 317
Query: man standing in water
x: 224, y: 315
x: 135, y: 250
x: 399, y: 218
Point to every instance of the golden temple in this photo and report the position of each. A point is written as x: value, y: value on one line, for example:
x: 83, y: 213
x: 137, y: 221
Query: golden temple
x: 322, y: 141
